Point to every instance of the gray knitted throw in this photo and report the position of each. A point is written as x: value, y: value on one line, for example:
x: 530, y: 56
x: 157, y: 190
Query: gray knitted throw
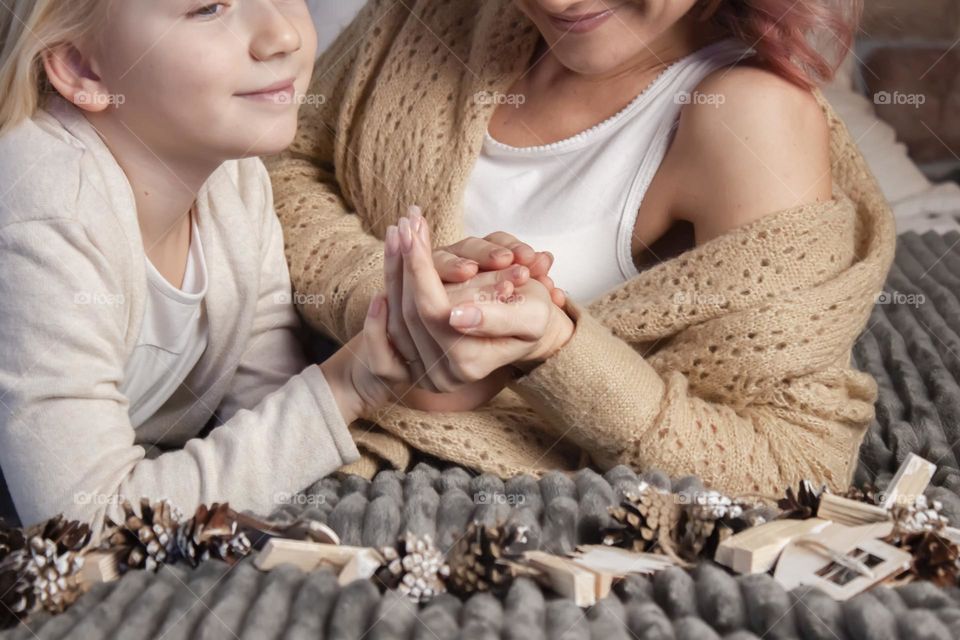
x: 910, y: 346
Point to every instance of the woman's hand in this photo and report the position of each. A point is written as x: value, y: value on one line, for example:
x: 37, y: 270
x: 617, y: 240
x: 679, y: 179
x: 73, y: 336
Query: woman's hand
x: 447, y: 347
x: 462, y: 260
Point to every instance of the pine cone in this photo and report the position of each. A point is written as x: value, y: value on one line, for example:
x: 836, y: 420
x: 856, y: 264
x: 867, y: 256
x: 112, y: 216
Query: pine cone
x: 869, y: 493
x: 57, y: 574
x: 477, y: 559
x: 11, y: 540
x: 919, y: 517
x: 38, y: 576
x: 148, y: 540
x: 17, y: 595
x: 708, y: 518
x: 935, y: 558
x: 415, y: 568
x: 800, y: 505
x: 643, y: 519
x: 212, y: 533
x: 40, y: 567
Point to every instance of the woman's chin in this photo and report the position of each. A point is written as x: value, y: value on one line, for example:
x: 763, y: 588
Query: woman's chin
x: 590, y: 61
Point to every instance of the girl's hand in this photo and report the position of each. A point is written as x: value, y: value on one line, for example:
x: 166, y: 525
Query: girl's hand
x: 363, y: 373
x: 461, y: 261
x: 449, y: 356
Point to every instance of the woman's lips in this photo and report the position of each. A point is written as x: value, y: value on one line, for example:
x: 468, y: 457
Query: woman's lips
x: 582, y: 23
x: 277, y: 93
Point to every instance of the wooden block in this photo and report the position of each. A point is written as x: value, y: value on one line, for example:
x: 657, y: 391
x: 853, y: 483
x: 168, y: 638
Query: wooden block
x: 850, y: 512
x: 304, y: 554
x: 566, y: 577
x: 756, y: 549
x: 910, y: 481
x: 99, y: 566
x: 361, y: 566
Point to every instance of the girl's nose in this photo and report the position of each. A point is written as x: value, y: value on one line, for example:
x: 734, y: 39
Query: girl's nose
x: 273, y: 33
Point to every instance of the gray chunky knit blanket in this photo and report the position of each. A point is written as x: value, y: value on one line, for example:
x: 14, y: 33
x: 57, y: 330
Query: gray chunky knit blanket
x: 910, y: 346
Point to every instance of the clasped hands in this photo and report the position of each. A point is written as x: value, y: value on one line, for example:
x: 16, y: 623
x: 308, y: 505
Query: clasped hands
x: 460, y: 318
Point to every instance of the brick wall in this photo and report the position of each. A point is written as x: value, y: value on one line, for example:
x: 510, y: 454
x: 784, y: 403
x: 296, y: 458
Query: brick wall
x: 909, y: 61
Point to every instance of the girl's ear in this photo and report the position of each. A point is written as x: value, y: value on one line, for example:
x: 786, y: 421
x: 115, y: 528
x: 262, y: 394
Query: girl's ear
x: 72, y: 75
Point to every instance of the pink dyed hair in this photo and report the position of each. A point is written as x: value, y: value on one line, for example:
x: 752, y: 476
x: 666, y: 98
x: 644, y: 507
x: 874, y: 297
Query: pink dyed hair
x: 780, y: 31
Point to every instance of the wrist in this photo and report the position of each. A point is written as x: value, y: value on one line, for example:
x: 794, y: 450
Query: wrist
x: 560, y: 332
x: 338, y: 371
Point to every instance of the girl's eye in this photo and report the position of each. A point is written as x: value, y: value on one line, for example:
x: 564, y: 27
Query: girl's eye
x: 208, y: 11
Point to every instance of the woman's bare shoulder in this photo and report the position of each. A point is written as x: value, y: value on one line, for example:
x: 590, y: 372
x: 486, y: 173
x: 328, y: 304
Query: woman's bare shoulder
x: 752, y: 143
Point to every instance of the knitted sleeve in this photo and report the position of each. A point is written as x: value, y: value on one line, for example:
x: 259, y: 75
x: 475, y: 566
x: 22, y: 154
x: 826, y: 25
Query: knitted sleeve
x: 336, y: 264
x: 600, y: 393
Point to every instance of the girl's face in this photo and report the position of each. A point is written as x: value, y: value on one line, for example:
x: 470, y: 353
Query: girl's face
x: 207, y: 80
x: 596, y: 37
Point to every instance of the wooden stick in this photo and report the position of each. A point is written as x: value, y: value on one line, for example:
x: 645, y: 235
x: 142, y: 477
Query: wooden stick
x: 99, y: 566
x: 619, y: 562
x: 304, y: 554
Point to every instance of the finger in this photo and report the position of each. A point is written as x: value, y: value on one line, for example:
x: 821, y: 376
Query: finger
x: 547, y: 282
x: 522, y: 252
x: 453, y: 268
x: 559, y: 297
x: 430, y: 294
x: 541, y: 264
x: 523, y: 319
x: 393, y: 281
x: 517, y: 275
x: 382, y: 359
x: 487, y: 254
x: 501, y: 291
x: 424, y: 303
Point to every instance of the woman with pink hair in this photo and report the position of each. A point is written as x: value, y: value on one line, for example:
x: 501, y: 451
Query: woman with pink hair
x: 689, y: 242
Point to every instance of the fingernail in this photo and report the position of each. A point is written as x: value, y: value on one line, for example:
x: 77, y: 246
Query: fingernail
x: 422, y: 231
x: 466, y: 264
x: 406, y: 235
x: 465, y: 317
x: 392, y: 241
x: 501, y: 253
x: 416, y: 219
x: 376, y: 305
x: 520, y: 272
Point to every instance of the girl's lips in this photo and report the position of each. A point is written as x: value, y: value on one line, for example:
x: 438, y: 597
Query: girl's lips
x: 279, y: 93
x: 582, y: 23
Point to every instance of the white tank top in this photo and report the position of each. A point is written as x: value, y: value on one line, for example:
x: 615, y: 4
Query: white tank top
x: 578, y: 198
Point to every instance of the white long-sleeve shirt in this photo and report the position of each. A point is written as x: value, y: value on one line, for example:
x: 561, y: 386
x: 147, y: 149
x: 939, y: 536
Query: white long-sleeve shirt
x: 72, y: 303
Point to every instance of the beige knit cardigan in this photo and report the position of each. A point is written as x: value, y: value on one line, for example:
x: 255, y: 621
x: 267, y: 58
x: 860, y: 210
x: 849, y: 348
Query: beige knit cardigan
x: 730, y: 361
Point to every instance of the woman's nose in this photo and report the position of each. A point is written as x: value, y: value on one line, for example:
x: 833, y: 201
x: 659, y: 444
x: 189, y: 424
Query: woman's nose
x: 272, y: 32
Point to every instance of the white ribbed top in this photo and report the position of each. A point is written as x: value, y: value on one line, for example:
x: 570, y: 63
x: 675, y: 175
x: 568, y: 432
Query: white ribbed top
x: 579, y: 197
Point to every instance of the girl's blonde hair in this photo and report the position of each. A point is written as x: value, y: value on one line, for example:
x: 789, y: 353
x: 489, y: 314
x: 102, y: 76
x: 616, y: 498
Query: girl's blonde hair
x: 28, y: 28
